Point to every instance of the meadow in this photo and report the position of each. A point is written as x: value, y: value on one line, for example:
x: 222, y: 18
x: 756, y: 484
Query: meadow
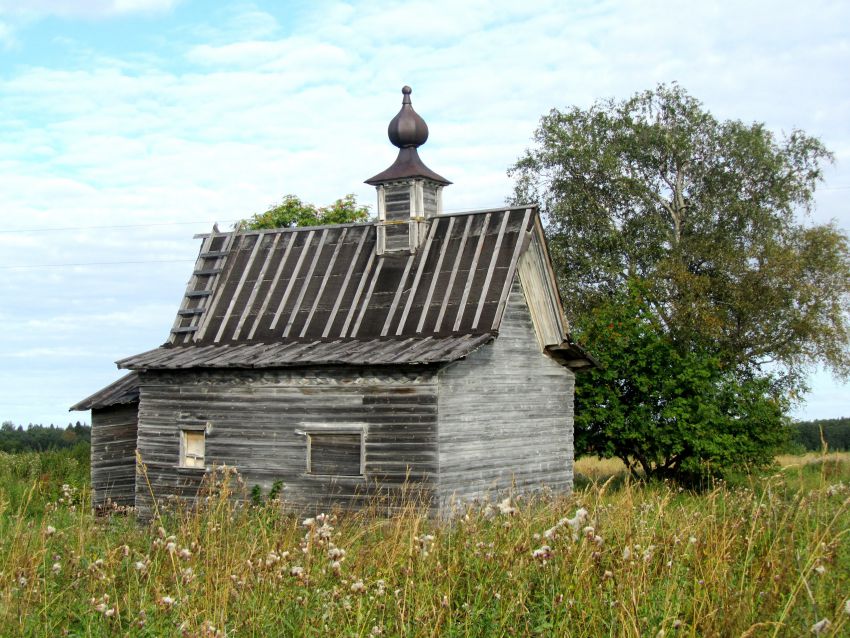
x: 763, y: 556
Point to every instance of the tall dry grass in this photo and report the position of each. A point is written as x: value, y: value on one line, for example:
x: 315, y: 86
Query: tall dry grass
x: 768, y: 559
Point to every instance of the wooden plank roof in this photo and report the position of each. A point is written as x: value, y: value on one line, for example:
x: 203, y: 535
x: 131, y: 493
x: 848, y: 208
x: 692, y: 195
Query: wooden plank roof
x: 328, y: 283
x: 125, y: 390
x: 370, y: 351
x: 321, y: 295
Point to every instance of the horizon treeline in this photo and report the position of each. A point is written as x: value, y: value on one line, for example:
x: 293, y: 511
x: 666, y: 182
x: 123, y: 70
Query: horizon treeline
x: 836, y: 434
x: 39, y: 438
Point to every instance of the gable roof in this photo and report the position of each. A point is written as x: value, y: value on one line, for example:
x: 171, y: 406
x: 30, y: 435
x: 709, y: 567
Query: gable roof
x: 297, y: 296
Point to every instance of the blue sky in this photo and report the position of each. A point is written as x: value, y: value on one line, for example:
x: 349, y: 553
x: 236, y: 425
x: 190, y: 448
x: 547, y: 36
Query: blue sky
x: 163, y: 116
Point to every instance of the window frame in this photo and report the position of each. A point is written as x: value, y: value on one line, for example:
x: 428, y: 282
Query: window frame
x: 184, y: 431
x: 308, y: 431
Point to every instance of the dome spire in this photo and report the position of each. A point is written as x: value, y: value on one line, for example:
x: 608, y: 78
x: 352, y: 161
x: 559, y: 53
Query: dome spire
x: 407, y: 131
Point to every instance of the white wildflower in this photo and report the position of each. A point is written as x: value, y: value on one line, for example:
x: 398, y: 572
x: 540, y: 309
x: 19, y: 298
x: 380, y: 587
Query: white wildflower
x: 358, y: 587
x: 50, y: 530
x: 171, y: 547
x: 185, y: 554
x: 577, y: 521
x: 309, y: 522
x: 140, y: 566
x: 297, y: 571
x: 821, y: 626
x: 56, y: 568
x: 506, y: 508
x: 627, y: 553
x: 166, y: 601
x: 820, y: 569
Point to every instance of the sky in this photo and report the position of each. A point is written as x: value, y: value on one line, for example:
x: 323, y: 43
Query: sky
x: 127, y: 126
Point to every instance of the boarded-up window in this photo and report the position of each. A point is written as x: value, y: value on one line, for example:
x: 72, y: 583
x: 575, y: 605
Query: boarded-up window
x: 335, y: 453
x: 192, y: 448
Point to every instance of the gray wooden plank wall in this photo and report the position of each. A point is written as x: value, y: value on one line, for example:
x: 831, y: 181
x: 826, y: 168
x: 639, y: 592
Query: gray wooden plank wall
x: 113, y: 454
x: 506, y: 416
x: 254, y: 417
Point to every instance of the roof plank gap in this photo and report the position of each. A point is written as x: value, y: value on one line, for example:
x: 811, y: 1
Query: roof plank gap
x: 307, y: 281
x: 423, y: 258
x: 397, y: 296
x: 246, y: 311
x: 292, y: 278
x: 245, y: 272
x: 490, y: 269
x: 367, y: 297
x: 344, y: 287
x: 366, y: 272
x: 262, y: 311
x: 435, y: 276
x: 462, y: 305
x: 452, y: 277
x: 324, y: 283
x: 506, y: 289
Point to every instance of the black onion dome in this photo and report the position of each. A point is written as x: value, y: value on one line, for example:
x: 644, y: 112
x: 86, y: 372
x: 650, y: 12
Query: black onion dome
x: 407, y: 128
x: 407, y: 131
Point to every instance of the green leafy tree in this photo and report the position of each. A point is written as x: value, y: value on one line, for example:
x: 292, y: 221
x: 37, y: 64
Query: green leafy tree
x: 705, y: 212
x: 665, y: 410
x: 708, y: 217
x: 291, y: 211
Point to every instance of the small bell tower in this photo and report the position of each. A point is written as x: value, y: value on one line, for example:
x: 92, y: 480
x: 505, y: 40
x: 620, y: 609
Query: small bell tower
x: 409, y: 193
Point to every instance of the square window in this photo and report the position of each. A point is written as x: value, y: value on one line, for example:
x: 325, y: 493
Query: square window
x: 335, y: 453
x: 192, y: 448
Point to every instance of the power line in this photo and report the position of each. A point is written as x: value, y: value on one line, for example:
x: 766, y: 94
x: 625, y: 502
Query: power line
x: 96, y: 263
x: 66, y: 228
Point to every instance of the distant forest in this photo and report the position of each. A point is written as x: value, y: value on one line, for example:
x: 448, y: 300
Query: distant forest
x: 836, y: 433
x: 805, y: 434
x: 41, y: 437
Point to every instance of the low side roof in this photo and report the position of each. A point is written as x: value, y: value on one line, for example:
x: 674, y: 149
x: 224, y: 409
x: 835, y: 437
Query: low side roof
x: 411, y: 350
x: 125, y: 390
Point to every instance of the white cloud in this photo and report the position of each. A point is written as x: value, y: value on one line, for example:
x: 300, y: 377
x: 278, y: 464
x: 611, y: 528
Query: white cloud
x: 233, y: 115
x: 33, y: 9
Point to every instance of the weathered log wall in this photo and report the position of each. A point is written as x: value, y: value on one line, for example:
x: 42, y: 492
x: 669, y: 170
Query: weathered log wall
x: 113, y: 454
x: 506, y: 415
x: 255, y: 418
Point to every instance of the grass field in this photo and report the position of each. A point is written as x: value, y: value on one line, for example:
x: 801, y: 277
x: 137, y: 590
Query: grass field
x: 767, y: 557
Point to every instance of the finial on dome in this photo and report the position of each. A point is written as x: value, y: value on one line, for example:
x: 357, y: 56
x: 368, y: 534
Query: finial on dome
x: 407, y: 129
